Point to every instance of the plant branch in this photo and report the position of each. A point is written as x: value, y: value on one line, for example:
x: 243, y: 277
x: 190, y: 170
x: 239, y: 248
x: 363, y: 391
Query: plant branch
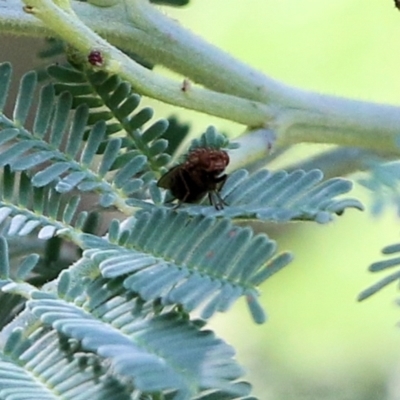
x: 70, y: 28
x: 340, y: 161
x: 303, y: 116
x: 238, y: 92
x: 15, y: 21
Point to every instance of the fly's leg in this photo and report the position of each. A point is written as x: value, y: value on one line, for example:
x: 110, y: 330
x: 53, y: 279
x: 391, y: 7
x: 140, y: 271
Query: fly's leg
x: 215, y: 197
x: 180, y: 201
x: 216, y: 200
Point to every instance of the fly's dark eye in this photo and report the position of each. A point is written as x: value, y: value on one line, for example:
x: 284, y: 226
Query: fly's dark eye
x: 199, y: 175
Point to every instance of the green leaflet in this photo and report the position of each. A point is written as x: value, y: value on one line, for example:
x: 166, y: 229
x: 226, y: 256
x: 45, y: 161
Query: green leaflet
x: 121, y: 115
x: 277, y: 196
x: 93, y: 319
x: 135, y: 339
x: 205, y: 262
x: 29, y: 208
x: 122, y: 308
x: 378, y: 266
x: 63, y: 152
x: 383, y: 182
x: 171, y: 2
x: 44, y: 370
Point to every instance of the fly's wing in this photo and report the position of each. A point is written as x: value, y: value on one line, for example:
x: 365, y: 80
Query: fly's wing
x: 166, y: 181
x: 180, y: 184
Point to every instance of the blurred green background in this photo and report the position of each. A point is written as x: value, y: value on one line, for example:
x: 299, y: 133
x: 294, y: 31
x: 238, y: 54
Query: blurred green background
x: 319, y: 343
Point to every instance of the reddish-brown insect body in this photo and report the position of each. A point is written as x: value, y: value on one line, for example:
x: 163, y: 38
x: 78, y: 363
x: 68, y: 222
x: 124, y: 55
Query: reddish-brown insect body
x: 200, y: 174
x: 96, y: 58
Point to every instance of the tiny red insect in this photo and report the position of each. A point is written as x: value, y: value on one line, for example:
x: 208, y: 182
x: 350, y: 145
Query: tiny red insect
x: 200, y: 174
x: 95, y: 58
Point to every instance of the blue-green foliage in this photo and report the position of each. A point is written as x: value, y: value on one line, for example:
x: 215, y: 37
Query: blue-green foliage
x: 63, y: 152
x: 146, y: 347
x: 29, y: 208
x: 134, y: 344
x: 118, y: 109
x: 119, y: 319
x: 383, y: 180
x: 282, y: 196
x: 175, y: 134
x: 39, y: 367
x: 276, y: 196
x: 393, y: 261
x: 205, y: 262
x: 212, y: 139
x: 175, y: 3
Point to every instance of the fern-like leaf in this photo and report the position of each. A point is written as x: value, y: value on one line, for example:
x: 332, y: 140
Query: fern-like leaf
x: 378, y: 266
x: 24, y: 208
x: 281, y: 196
x: 383, y: 182
x: 176, y: 3
x: 156, y: 352
x: 36, y: 367
x: 175, y: 135
x: 112, y: 100
x: 205, y: 262
x: 211, y: 138
x: 277, y: 196
x: 55, y: 151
